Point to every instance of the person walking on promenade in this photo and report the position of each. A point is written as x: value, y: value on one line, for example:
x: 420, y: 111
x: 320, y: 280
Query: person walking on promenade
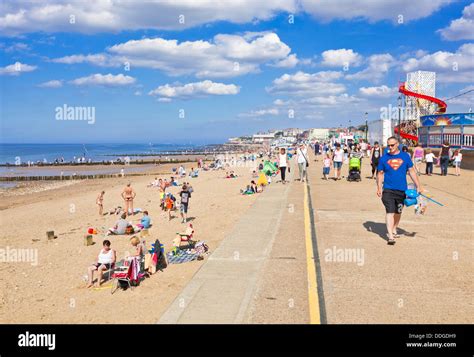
x: 429, y: 158
x: 457, y: 161
x: 317, y: 148
x: 375, y: 155
x: 417, y: 158
x: 282, y: 164
x: 302, y: 160
x: 337, y: 158
x: 444, y: 158
x: 393, y: 168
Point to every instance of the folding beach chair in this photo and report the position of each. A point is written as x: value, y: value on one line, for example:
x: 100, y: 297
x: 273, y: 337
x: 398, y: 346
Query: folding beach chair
x: 128, y: 275
x: 186, y: 237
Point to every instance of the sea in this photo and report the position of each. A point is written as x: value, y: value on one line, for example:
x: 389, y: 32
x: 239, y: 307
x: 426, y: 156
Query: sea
x: 17, y: 154
x: 20, y: 155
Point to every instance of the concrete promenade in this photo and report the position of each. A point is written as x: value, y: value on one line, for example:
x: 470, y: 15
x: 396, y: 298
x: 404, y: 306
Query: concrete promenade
x: 260, y: 272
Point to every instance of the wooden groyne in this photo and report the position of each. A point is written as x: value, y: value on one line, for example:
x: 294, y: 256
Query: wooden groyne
x: 74, y: 177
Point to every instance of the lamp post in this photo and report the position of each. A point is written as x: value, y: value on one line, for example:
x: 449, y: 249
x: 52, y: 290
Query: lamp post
x: 366, y: 126
x: 399, y: 115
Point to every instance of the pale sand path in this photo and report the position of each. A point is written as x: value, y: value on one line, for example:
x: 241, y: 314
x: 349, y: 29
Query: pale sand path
x: 54, y: 290
x: 230, y: 286
x: 423, y: 278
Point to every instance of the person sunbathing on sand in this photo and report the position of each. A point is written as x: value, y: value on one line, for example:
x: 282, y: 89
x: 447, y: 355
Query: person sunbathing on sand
x: 105, y: 260
x: 154, y: 183
x: 100, y: 202
x: 128, y: 195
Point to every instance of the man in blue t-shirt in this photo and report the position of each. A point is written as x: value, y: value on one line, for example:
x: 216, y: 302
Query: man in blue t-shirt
x: 392, y: 172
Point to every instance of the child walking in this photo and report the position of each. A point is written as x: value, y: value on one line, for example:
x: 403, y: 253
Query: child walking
x: 429, y: 158
x: 457, y: 162
x: 326, y: 166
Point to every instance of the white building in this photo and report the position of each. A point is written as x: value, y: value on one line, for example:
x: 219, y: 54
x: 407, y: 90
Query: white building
x: 319, y: 134
x: 263, y: 138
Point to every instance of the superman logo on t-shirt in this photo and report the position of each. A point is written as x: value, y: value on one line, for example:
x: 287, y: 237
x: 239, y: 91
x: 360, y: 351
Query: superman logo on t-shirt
x: 395, y: 163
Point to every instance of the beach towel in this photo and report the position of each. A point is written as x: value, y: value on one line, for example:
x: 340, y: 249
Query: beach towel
x: 182, y: 256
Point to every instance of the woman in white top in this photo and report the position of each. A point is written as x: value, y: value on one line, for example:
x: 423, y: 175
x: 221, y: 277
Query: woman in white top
x: 301, y: 159
x: 282, y: 164
x: 337, y: 158
x: 105, y: 260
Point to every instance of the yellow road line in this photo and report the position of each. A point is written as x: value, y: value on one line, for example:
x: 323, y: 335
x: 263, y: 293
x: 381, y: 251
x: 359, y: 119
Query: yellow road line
x: 314, y: 315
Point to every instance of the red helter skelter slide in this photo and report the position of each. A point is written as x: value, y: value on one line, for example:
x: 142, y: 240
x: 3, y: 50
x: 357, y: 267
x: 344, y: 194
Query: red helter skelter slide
x: 441, y: 107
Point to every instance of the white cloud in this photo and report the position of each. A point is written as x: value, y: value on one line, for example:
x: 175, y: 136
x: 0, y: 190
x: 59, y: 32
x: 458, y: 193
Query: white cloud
x: 51, y: 84
x: 280, y: 102
x: 327, y: 10
x: 16, y: 69
x: 289, y: 62
x: 17, y: 17
x: 340, y: 58
x: 96, y: 59
x: 17, y: 47
x: 450, y: 67
x: 261, y: 113
x: 225, y: 56
x: 378, y: 66
x: 191, y: 90
x: 462, y: 28
x: 332, y: 100
x: 378, y: 92
x: 104, y: 80
x: 301, y: 83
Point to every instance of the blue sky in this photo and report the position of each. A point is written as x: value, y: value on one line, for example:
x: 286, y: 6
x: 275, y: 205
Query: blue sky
x: 231, y: 70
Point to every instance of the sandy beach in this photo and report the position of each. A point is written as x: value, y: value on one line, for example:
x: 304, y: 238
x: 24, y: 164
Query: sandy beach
x: 56, y: 285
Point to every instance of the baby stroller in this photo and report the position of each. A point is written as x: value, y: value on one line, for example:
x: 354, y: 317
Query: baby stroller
x: 354, y: 169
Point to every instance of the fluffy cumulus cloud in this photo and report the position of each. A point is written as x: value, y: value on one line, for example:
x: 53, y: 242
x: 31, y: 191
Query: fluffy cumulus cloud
x: 302, y: 84
x: 450, y: 67
x: 108, y: 80
x: 16, y: 69
x: 378, y: 92
x: 462, y: 28
x: 19, y: 17
x: 97, y: 59
x: 168, y: 92
x: 378, y: 66
x: 51, y: 84
x: 224, y: 56
x: 392, y: 10
x: 341, y: 58
x: 289, y: 62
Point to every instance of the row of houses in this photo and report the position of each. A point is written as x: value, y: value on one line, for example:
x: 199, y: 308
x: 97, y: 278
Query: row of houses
x: 292, y: 135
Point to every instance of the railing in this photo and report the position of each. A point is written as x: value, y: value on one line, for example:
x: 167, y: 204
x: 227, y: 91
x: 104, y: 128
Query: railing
x: 455, y: 140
